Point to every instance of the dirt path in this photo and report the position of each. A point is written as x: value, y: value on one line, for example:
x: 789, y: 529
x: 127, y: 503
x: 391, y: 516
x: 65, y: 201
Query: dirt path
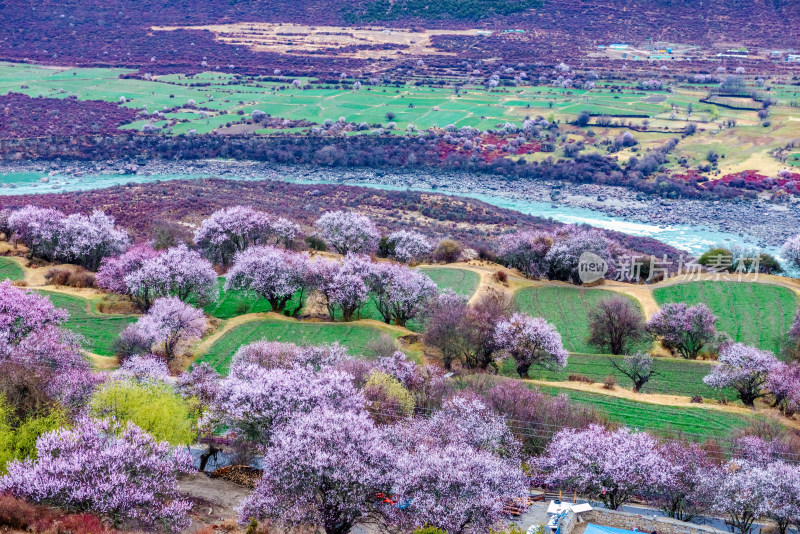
x: 215, y: 500
x: 34, y: 277
x: 642, y: 294
x: 101, y: 363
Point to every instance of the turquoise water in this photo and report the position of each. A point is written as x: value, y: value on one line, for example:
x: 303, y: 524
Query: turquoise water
x: 693, y: 239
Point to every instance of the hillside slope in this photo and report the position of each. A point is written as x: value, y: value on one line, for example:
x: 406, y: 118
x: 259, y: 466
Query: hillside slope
x: 117, y: 32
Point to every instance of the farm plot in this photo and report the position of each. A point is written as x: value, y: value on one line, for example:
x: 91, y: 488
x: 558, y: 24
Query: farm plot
x: 460, y: 281
x: 99, y: 329
x: 10, y: 270
x: 424, y: 107
x: 752, y: 313
x: 234, y: 303
x: 675, y: 376
x: 567, y: 309
x: 696, y: 424
x: 355, y: 337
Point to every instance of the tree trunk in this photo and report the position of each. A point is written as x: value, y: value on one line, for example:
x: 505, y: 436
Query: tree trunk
x: 206, y: 456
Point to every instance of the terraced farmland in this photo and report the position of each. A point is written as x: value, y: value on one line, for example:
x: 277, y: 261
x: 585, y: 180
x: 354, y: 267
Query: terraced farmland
x: 567, y: 309
x: 355, y: 337
x: 753, y: 313
x: 424, y: 107
x: 9, y: 269
x: 696, y: 424
x: 99, y: 329
x: 461, y: 281
x: 675, y: 377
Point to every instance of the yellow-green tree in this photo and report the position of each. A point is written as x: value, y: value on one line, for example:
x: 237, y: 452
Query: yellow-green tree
x: 18, y: 437
x: 152, y: 406
x: 387, y: 399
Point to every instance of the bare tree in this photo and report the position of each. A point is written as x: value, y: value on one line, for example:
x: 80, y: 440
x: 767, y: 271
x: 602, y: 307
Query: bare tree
x: 465, y: 334
x: 615, y: 324
x: 638, y: 367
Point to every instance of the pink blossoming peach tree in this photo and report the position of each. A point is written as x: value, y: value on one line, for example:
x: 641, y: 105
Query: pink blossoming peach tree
x: 232, y: 230
x: 348, y: 232
x: 104, y: 468
x: 272, y: 273
x: 745, y: 369
x: 170, y: 324
x: 530, y: 341
x: 610, y: 466
x: 685, y: 329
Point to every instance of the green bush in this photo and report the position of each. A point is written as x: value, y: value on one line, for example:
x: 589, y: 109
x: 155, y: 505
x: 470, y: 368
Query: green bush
x: 316, y: 243
x: 710, y: 257
x: 18, y: 438
x: 153, y: 407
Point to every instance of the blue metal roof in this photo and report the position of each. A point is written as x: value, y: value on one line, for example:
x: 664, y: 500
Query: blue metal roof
x: 597, y: 529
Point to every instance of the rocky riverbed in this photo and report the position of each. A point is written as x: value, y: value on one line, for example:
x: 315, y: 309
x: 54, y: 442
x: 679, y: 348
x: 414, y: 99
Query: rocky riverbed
x: 767, y: 223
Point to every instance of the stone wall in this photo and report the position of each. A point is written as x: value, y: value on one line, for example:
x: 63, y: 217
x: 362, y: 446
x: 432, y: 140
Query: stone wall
x: 645, y: 523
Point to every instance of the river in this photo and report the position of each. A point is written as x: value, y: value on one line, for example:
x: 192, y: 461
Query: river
x: 689, y: 237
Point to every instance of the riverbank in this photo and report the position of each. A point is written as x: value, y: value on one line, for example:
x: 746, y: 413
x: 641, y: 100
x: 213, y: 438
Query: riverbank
x: 688, y: 224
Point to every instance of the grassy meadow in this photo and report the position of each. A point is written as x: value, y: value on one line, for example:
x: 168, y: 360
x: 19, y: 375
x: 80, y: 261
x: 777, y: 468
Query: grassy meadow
x: 675, y: 376
x: 460, y: 281
x: 9, y: 269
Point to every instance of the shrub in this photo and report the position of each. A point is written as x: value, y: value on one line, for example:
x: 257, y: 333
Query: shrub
x: 132, y: 341
x: 501, y: 277
x: 718, y: 257
x: 153, y: 407
x: 18, y: 438
x: 62, y: 276
x: 16, y: 513
x: 381, y: 347
x: 21, y: 515
x: 609, y: 382
x: 316, y: 243
x: 447, y: 251
x: 24, y: 390
x: 577, y: 377
x: 486, y: 254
